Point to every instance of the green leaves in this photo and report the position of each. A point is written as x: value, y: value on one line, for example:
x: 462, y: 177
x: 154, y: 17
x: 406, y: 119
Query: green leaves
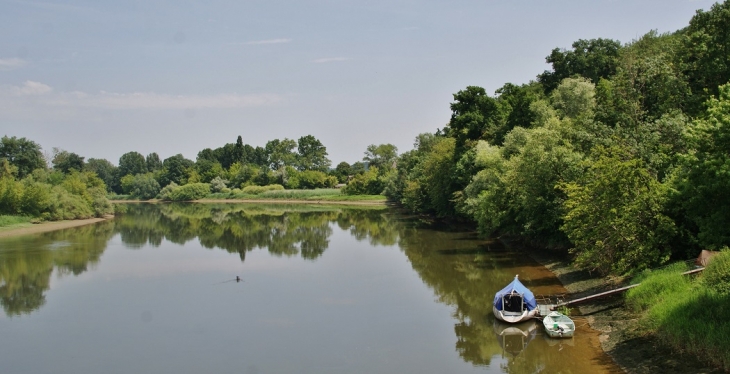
x: 614, y: 216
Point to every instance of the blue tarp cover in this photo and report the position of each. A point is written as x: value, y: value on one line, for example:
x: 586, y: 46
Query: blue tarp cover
x: 527, y: 295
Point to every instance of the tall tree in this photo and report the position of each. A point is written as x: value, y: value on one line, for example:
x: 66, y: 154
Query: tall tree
x: 312, y: 155
x: 707, y: 52
x: 281, y: 153
x: 705, y: 184
x: 593, y: 59
x: 153, y: 162
x: 104, y: 170
x: 381, y: 156
x: 22, y: 153
x: 175, y: 169
x: 132, y: 163
x: 65, y: 161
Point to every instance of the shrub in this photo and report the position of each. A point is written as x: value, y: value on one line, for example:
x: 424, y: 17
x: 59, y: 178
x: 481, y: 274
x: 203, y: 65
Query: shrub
x: 66, y: 205
x: 165, y: 192
x: 144, y: 186
x: 256, y: 190
x: 191, y: 191
x: 218, y: 184
x: 364, y: 184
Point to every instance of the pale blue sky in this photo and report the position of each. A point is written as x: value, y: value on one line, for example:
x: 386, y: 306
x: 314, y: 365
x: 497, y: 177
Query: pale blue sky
x: 101, y: 78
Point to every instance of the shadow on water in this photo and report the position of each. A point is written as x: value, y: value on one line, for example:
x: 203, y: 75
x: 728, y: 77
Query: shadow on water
x: 463, y: 271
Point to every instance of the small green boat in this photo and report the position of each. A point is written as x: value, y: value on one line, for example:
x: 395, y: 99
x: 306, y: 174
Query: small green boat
x: 558, y: 325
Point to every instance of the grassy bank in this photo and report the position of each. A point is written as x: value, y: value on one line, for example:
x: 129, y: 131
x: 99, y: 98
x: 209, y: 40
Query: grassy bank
x: 689, y: 314
x: 14, y: 221
x: 623, y: 331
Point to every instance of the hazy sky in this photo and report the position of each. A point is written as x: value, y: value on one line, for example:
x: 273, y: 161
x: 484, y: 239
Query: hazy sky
x: 101, y: 78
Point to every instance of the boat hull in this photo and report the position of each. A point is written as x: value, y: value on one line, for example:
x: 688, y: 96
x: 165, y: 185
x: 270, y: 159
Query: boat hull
x: 514, y: 317
x: 558, y: 325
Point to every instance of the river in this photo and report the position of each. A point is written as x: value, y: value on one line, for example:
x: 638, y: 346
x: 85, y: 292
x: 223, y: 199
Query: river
x: 320, y: 290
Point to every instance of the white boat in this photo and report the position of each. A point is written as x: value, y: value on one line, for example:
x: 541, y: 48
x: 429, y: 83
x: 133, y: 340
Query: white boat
x: 514, y: 303
x: 558, y: 325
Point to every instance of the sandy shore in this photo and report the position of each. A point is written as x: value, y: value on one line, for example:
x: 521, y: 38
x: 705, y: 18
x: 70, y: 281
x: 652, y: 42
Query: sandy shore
x: 621, y: 334
x: 48, y: 226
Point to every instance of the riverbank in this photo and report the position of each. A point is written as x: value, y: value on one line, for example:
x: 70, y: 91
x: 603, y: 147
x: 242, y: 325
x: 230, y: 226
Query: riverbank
x: 38, y: 228
x: 271, y: 201
x: 621, y: 335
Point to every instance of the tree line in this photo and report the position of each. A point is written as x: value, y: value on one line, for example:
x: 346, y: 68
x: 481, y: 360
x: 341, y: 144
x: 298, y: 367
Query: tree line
x: 233, y: 169
x: 620, y: 153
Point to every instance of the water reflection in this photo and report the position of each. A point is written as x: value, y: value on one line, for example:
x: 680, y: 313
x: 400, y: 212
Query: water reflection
x: 26, y: 263
x: 284, y: 230
x: 460, y: 269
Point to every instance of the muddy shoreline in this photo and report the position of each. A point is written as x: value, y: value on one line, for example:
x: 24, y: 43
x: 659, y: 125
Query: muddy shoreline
x: 48, y: 226
x: 621, y: 336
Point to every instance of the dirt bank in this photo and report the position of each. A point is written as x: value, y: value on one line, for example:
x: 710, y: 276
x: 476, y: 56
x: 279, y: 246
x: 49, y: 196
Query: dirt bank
x: 48, y: 226
x: 622, y: 337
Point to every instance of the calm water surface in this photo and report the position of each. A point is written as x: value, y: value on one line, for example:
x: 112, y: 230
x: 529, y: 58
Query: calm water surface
x: 322, y: 290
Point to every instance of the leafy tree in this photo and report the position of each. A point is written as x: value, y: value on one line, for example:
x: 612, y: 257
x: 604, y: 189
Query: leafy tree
x: 153, y: 162
x: 474, y: 116
x: 515, y: 101
x: 207, y: 154
x: 705, y: 181
x: 381, y: 156
x: 175, y: 169
x: 706, y: 56
x: 357, y: 168
x: 208, y: 170
x: 312, y: 155
x: 614, y: 216
x: 105, y: 170
x: 141, y: 186
x: 364, y: 184
x: 593, y: 59
x: 218, y: 184
x: 24, y: 154
x: 65, y: 161
x: 342, y: 171
x: 280, y: 153
x: 574, y: 97
x: 131, y: 163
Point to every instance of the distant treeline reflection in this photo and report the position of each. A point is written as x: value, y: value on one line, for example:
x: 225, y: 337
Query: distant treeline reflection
x: 292, y: 230
x: 26, y: 263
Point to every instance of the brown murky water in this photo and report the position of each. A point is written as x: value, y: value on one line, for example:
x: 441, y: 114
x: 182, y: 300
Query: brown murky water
x: 321, y: 290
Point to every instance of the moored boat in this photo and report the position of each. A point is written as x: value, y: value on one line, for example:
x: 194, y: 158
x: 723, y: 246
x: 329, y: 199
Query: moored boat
x: 514, y: 303
x: 558, y: 325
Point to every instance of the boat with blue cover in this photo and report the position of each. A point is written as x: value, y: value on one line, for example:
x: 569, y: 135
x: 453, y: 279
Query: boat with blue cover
x: 514, y: 303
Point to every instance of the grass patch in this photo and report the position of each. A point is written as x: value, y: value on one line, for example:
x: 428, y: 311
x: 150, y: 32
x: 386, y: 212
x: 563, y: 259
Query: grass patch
x: 685, y: 313
x: 15, y: 221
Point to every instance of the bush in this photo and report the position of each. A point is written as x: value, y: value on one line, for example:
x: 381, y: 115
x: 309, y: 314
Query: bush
x: 144, y: 186
x: 66, y: 205
x: 218, y: 184
x: 165, y: 192
x: 364, y: 184
x: 717, y: 274
x: 188, y: 192
x: 256, y: 190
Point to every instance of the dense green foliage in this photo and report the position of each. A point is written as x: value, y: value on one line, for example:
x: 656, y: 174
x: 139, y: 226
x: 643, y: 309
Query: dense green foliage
x: 188, y: 192
x: 618, y: 154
